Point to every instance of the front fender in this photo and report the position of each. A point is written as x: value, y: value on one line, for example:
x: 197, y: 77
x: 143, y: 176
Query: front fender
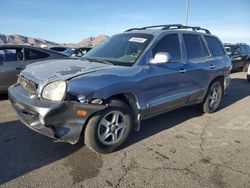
x: 106, y: 85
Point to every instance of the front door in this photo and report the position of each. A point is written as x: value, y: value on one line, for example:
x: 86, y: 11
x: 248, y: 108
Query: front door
x: 10, y: 66
x: 166, y: 85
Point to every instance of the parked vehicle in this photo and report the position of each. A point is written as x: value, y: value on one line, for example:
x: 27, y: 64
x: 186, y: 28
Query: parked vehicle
x: 132, y: 76
x: 14, y: 58
x: 58, y: 48
x: 239, y: 54
x: 76, y: 52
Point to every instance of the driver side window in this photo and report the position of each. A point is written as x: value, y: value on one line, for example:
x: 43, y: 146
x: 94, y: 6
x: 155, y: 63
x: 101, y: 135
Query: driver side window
x: 11, y: 55
x: 169, y: 44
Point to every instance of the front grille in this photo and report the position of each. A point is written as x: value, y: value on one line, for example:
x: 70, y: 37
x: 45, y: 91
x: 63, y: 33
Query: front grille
x: 27, y: 84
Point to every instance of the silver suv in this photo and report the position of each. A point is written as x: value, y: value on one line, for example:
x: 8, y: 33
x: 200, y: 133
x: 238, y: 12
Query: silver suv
x: 132, y: 76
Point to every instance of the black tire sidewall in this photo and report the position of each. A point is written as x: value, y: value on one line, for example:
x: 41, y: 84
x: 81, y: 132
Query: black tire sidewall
x: 205, y: 104
x: 91, y: 132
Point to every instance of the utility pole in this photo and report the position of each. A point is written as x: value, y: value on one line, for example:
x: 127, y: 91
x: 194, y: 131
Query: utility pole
x: 187, y: 9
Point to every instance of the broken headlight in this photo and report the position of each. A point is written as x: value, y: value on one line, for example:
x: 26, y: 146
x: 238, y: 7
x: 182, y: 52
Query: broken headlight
x: 55, y: 91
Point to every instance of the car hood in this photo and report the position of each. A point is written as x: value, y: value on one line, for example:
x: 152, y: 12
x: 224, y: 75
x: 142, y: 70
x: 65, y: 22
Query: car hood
x: 53, y: 70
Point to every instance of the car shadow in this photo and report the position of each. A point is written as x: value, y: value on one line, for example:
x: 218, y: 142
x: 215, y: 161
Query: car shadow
x: 239, y: 89
x: 23, y: 151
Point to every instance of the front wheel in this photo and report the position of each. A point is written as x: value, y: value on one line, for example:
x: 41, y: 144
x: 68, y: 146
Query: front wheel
x: 108, y: 129
x: 213, y: 98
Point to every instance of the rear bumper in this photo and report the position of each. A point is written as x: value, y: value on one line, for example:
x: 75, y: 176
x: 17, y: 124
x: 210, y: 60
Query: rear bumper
x: 56, y: 120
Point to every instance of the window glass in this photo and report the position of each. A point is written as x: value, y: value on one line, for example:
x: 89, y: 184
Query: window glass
x: 123, y: 49
x: 171, y: 45
x: 11, y: 54
x: 195, y: 46
x: 248, y: 50
x: 244, y: 49
x: 31, y: 54
x: 1, y: 56
x: 215, y: 46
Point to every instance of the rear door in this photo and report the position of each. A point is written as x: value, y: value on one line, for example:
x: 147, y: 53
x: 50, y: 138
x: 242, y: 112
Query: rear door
x: 11, y: 63
x: 198, y: 62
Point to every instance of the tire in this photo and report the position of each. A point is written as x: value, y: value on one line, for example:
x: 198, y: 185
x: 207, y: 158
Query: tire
x: 108, y: 129
x: 213, y: 97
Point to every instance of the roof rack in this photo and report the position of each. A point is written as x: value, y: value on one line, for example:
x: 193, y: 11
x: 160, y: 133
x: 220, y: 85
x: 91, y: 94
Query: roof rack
x: 171, y: 27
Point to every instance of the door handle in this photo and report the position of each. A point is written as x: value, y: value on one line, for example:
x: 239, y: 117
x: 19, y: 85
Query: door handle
x: 18, y: 68
x: 182, y: 71
x: 212, y: 66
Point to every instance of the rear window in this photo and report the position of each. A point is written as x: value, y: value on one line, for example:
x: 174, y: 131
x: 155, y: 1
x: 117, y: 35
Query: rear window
x: 31, y: 54
x: 215, y: 46
x: 195, y: 46
x: 244, y: 49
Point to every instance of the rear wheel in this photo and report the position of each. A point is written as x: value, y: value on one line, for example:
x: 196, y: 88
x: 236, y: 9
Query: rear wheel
x: 107, y: 130
x: 213, y: 98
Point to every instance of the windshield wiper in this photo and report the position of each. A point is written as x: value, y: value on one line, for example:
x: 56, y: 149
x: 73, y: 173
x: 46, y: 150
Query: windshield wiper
x: 102, y: 61
x: 98, y: 61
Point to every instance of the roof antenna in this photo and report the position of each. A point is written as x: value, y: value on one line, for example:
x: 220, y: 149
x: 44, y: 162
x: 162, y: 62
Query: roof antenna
x: 187, y: 9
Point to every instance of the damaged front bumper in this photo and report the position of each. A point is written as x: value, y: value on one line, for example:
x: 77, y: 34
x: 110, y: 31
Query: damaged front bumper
x: 58, y: 120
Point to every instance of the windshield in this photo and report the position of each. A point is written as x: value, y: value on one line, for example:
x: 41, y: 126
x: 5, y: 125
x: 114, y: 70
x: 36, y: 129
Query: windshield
x: 123, y: 49
x: 69, y: 51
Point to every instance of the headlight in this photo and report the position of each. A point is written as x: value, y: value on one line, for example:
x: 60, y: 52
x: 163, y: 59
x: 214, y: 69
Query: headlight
x: 54, y: 91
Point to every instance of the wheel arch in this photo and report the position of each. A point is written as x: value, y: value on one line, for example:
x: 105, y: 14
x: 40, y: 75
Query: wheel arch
x: 219, y: 78
x: 132, y: 102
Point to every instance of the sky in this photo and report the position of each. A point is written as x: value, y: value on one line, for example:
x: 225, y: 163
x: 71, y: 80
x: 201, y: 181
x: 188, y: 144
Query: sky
x: 68, y: 21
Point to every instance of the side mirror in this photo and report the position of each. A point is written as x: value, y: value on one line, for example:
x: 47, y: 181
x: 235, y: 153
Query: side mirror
x: 160, y: 58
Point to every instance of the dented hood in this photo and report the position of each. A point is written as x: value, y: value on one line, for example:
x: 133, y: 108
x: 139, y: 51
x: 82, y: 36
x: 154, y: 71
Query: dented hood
x: 52, y: 70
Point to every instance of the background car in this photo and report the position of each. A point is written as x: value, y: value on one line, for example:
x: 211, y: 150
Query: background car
x: 58, y: 48
x: 76, y: 52
x: 14, y: 58
x: 239, y: 54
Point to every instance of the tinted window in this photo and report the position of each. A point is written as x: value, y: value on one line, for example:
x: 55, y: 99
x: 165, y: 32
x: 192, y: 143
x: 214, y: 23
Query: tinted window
x: 31, y: 54
x: 244, y: 49
x: 248, y: 50
x: 195, y: 46
x: 1, y: 56
x: 58, y: 49
x: 169, y: 44
x: 7, y: 55
x: 215, y: 46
